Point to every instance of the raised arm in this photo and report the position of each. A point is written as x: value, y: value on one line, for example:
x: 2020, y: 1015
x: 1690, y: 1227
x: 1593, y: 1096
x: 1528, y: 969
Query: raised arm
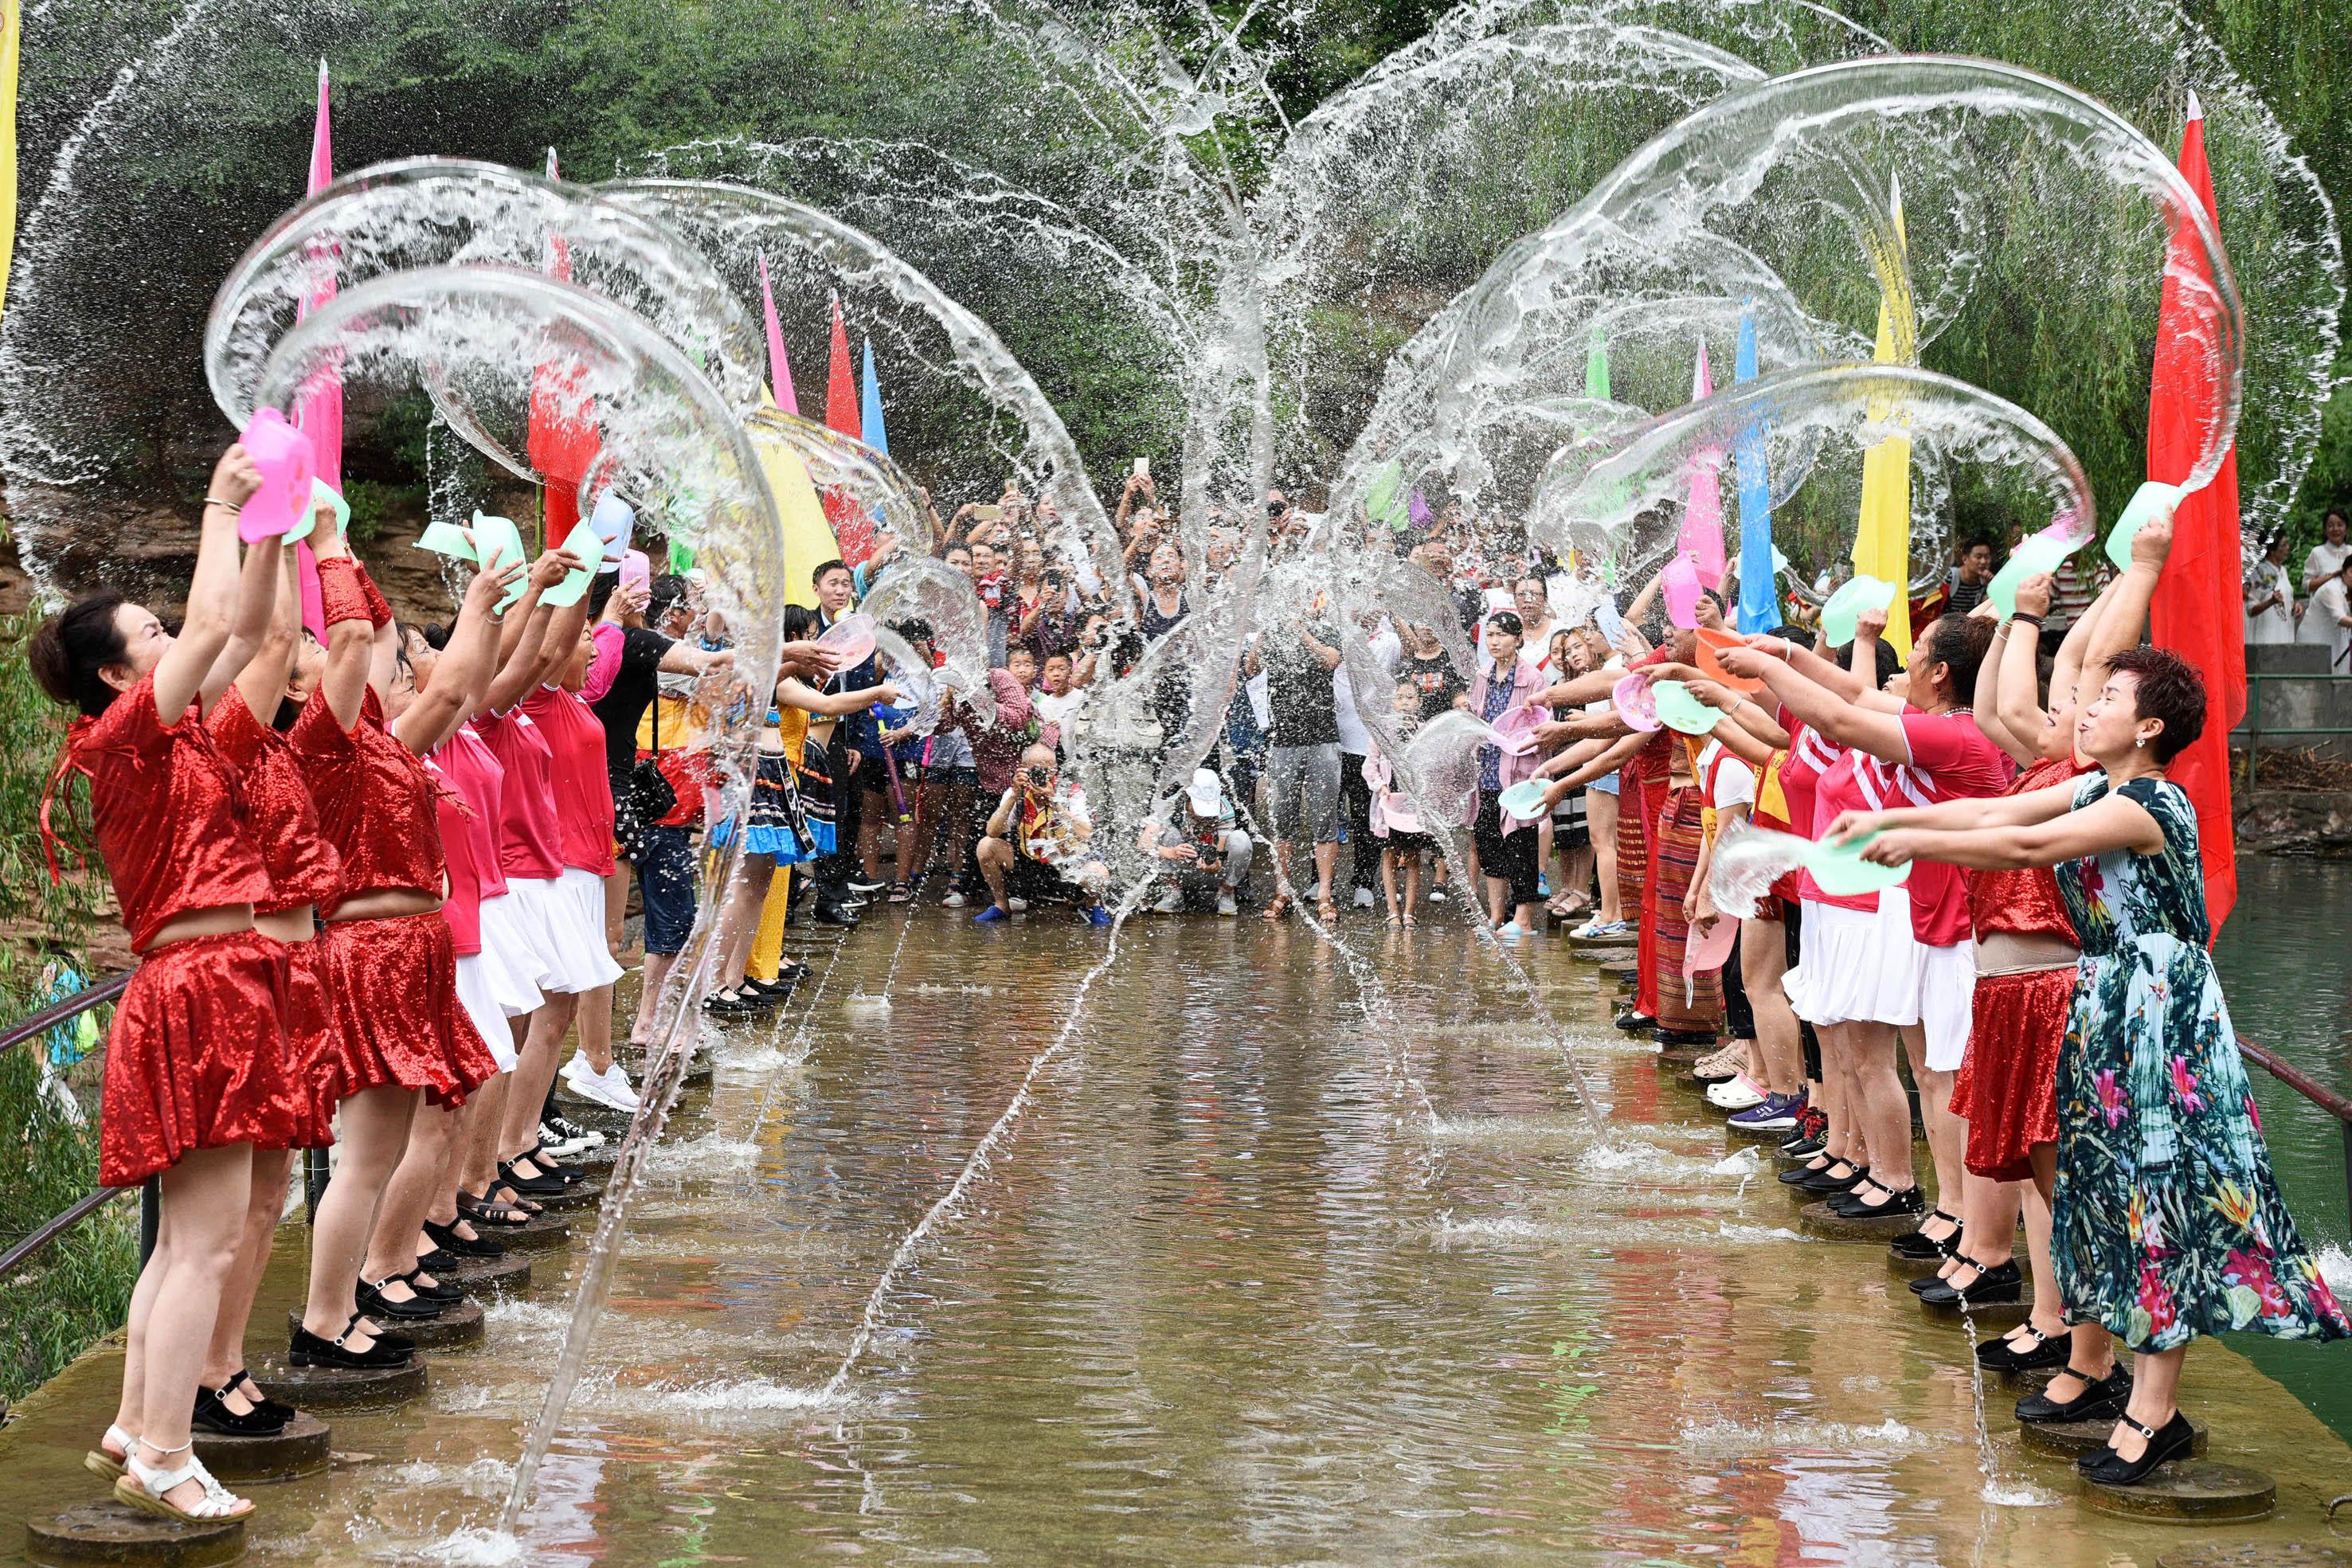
x: 794, y: 692
x: 1967, y: 814
x: 1610, y: 758
x: 463, y: 674
x: 186, y: 669
x: 2124, y: 601
x: 2113, y: 822
x: 1836, y: 719
x: 262, y: 681
x: 522, y: 637
x: 1991, y: 678
x: 351, y: 633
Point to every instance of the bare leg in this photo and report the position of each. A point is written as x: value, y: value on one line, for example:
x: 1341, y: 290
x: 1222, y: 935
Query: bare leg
x: 371, y: 1134
x: 478, y: 1168
x: 1947, y: 1134
x: 535, y: 1073
x: 205, y: 1202
x: 596, y: 1028
x: 1411, y: 885
x: 1600, y: 816
x: 738, y: 922
x: 2155, y: 1397
x: 1327, y: 855
x: 995, y: 860
x: 265, y: 1206
x: 392, y: 1243
x: 1988, y: 1211
x: 1389, y: 880
x: 657, y: 968
x: 1886, y: 1115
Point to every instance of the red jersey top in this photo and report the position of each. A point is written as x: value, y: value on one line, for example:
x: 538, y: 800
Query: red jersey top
x: 582, y: 790
x: 376, y: 803
x: 474, y: 771
x: 463, y: 907
x: 2025, y: 903
x: 304, y: 866
x: 1951, y: 759
x: 171, y: 816
x: 527, y: 841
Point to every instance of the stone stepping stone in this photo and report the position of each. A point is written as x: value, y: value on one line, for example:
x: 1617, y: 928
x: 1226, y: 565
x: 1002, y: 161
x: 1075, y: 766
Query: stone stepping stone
x: 507, y: 1276
x: 1903, y: 1268
x: 114, y: 1532
x: 1816, y: 1220
x: 700, y: 1068
x: 580, y: 1195
x: 299, y: 1449
x: 1997, y: 1317
x: 2258, y: 1554
x: 541, y: 1233
x: 344, y: 1387
x: 458, y: 1327
x: 590, y: 1114
x: 598, y: 1160
x: 2068, y: 1439
x: 2188, y: 1491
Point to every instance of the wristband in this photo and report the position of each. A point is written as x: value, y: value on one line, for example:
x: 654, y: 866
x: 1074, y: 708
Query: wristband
x: 2032, y: 620
x: 379, y: 613
x: 231, y: 507
x: 340, y: 595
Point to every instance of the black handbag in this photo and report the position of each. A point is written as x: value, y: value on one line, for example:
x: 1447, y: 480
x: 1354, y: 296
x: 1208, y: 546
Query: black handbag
x: 651, y: 795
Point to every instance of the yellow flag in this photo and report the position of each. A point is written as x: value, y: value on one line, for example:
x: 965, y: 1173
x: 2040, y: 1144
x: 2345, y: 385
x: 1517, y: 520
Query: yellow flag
x: 11, y: 27
x: 808, y: 538
x: 1882, y: 535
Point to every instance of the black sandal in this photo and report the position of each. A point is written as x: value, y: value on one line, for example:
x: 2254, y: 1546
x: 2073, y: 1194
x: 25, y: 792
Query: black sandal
x: 446, y: 1236
x: 491, y: 1211
x: 1918, y: 1246
x: 529, y: 1186
x: 2003, y: 1354
x: 260, y: 1401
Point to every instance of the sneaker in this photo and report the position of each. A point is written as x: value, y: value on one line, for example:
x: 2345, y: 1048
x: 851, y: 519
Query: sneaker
x: 573, y: 1132
x: 1098, y: 916
x: 954, y: 900
x: 576, y: 1067
x: 1169, y: 903
x: 1776, y: 1112
x: 610, y: 1087
x: 1364, y: 898
x: 1740, y: 1093
x: 990, y: 916
x: 1437, y: 895
x: 863, y: 884
x: 1018, y: 905
x: 1225, y: 904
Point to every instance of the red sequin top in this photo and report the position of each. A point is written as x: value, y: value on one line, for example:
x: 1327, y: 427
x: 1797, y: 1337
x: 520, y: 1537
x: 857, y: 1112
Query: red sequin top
x: 582, y: 788
x: 377, y: 805
x: 171, y: 816
x: 2025, y: 903
x: 304, y: 866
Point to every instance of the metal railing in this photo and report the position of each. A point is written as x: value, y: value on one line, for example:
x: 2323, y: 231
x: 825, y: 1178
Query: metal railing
x: 2255, y: 735
x: 32, y: 1028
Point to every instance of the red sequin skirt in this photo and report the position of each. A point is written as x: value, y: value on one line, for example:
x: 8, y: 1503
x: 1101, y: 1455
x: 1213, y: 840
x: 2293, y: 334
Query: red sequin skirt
x: 2007, y: 1086
x: 309, y: 1044
x: 394, y: 986
x: 196, y: 1058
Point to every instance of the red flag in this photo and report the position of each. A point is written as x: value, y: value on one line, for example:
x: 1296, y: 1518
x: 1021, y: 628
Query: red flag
x: 840, y: 385
x: 2198, y: 612
x: 560, y: 440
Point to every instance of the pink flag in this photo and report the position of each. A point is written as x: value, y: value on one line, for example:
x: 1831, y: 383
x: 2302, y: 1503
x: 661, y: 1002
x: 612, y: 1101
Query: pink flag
x: 780, y: 369
x: 1700, y: 539
x: 320, y: 414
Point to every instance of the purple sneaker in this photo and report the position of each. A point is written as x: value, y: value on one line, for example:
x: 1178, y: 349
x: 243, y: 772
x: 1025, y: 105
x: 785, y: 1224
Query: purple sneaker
x: 1778, y: 1113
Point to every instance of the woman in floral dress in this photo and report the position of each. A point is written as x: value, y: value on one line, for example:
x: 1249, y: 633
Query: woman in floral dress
x: 2167, y: 1220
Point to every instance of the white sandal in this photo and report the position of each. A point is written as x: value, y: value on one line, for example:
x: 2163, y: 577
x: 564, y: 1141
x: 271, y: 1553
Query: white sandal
x: 144, y: 1486
x: 105, y: 1465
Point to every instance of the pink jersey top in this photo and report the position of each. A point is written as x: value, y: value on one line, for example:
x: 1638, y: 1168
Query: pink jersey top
x: 470, y: 780
x: 527, y: 846
x: 1951, y: 759
x: 582, y: 790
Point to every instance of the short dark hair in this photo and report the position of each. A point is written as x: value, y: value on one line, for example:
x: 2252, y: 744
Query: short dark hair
x: 800, y: 624
x: 1889, y: 660
x: 2165, y: 686
x: 1973, y: 540
x: 822, y: 567
x: 1959, y: 645
x: 663, y: 594
x: 70, y: 648
x: 1509, y: 623
x: 600, y: 588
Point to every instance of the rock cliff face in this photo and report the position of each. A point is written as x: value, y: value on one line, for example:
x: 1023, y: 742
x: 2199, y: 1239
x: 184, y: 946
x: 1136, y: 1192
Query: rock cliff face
x: 2296, y: 823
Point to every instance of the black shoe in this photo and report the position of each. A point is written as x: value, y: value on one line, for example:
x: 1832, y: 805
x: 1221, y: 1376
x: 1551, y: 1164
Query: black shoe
x: 1632, y: 1022
x: 1797, y: 1175
x: 1850, y: 1206
x: 1690, y: 1037
x: 721, y: 1005
x: 2173, y: 1441
x: 374, y: 1303
x: 446, y: 1236
x: 2000, y: 1353
x: 1824, y: 1183
x: 1802, y: 1148
x: 540, y: 1186
x: 2101, y: 1401
x: 441, y: 1290
x: 277, y: 1408
x: 437, y: 1262
x: 1992, y: 1286
x: 308, y: 1349
x: 862, y: 884
x: 1918, y: 1246
x: 212, y: 1415
x: 779, y: 987
x: 835, y: 915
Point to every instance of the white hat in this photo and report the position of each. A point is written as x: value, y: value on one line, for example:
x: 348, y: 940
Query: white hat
x: 1206, y: 797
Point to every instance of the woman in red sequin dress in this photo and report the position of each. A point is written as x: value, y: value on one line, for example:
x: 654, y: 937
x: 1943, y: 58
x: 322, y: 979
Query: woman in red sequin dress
x: 195, y: 1069
x: 399, y: 1037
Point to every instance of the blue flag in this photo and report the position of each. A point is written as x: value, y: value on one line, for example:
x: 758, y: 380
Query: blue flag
x: 869, y: 412
x: 1759, y: 588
